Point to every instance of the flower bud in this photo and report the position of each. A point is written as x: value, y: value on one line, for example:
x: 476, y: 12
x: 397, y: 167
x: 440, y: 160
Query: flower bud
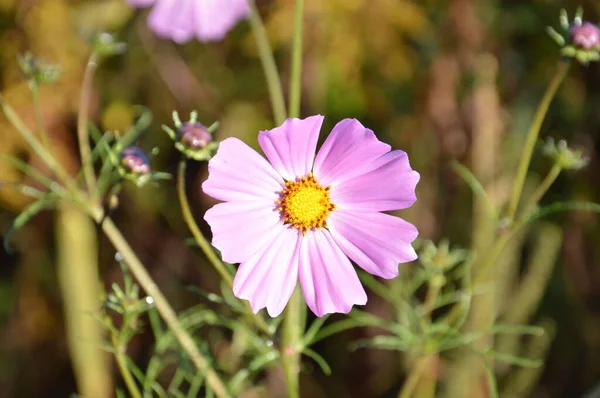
x: 565, y: 157
x: 135, y: 161
x: 38, y: 70
x: 194, y: 135
x: 192, y: 138
x: 585, y: 36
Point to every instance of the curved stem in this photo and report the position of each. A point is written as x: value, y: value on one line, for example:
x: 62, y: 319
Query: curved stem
x: 296, y: 73
x: 163, y: 306
x: 545, y: 185
x: 82, y: 124
x: 35, y: 92
x: 412, y: 381
x: 205, y: 246
x: 532, y: 135
x: 35, y: 144
x: 122, y: 364
x: 268, y: 64
x: 292, y: 343
x: 196, y: 233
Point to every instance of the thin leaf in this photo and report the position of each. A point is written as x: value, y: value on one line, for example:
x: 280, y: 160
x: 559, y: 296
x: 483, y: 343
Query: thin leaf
x: 318, y: 359
x: 473, y: 183
x: 30, y: 171
x: 514, y: 360
x: 518, y: 329
x: 563, y: 206
x: 489, y: 374
x: 313, y: 329
x: 29, y: 212
x: 393, y: 343
x: 24, y: 189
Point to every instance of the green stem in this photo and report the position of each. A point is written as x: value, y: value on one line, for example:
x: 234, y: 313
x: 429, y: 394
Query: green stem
x: 122, y: 364
x: 292, y: 343
x: 196, y: 233
x: 545, y: 185
x: 35, y: 92
x: 268, y: 64
x: 205, y: 246
x: 295, y: 313
x: 532, y: 136
x: 412, y: 381
x: 35, y: 145
x: 82, y: 123
x: 162, y: 305
x: 296, y: 73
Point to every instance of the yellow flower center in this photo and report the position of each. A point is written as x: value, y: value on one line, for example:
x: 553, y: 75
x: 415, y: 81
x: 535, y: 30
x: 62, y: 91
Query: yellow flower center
x: 305, y: 203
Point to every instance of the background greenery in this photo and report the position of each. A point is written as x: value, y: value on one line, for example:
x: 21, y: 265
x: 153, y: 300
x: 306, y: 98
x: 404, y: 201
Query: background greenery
x: 443, y: 80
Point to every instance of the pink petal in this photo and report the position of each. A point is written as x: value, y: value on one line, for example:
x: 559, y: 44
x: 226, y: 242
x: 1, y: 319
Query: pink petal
x: 345, y: 152
x: 388, y: 183
x: 140, y: 3
x: 377, y: 242
x: 173, y: 19
x: 329, y: 282
x: 242, y: 229
x: 268, y: 278
x: 214, y: 18
x: 291, y: 147
x: 238, y: 172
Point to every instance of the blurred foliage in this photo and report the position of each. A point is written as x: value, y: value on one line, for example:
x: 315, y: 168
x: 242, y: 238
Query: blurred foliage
x: 444, y: 80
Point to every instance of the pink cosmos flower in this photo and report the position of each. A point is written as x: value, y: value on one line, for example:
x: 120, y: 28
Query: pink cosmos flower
x: 181, y: 20
x: 297, y: 216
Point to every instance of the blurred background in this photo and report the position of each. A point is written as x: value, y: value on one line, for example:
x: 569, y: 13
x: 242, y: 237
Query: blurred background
x: 441, y: 79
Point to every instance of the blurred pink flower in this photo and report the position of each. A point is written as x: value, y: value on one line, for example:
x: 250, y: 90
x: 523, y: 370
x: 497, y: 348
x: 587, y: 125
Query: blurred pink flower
x: 181, y: 20
x: 297, y: 216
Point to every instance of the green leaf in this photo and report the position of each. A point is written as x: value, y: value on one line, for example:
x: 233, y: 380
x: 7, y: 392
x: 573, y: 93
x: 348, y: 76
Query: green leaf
x: 563, y: 206
x: 473, y: 183
x: 394, y: 343
x: 318, y: 359
x: 29, y: 212
x: 29, y: 171
x: 514, y: 360
x: 313, y: 329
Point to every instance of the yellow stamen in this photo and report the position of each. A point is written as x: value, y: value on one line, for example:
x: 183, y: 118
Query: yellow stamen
x: 305, y: 203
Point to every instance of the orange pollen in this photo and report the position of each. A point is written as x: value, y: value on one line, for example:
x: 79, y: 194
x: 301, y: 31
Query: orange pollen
x: 305, y: 203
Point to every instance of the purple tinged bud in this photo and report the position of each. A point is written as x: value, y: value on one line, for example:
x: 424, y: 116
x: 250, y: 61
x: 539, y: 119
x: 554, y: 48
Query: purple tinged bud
x: 135, y: 161
x: 194, y: 135
x: 586, y: 36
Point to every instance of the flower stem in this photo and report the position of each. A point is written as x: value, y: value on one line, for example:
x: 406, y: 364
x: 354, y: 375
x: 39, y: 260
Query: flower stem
x: 122, y: 364
x: 545, y: 185
x: 205, y: 246
x: 268, y: 64
x: 296, y: 74
x: 35, y: 144
x: 291, y: 343
x: 412, y: 381
x: 162, y: 305
x: 82, y: 123
x: 35, y: 92
x: 196, y: 233
x: 532, y: 135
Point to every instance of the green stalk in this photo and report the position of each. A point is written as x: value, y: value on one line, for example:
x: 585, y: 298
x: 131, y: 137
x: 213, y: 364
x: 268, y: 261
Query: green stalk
x: 268, y: 64
x: 532, y: 136
x: 296, y: 73
x: 196, y: 233
x: 206, y: 247
x: 122, y: 364
x: 35, y: 92
x: 291, y: 343
x: 82, y: 123
x: 545, y: 185
x: 163, y: 306
x: 295, y: 313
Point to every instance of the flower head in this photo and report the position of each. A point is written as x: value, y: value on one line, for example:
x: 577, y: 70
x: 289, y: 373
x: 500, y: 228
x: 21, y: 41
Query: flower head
x: 192, y: 138
x: 579, y: 40
x: 297, y: 216
x: 181, y: 20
